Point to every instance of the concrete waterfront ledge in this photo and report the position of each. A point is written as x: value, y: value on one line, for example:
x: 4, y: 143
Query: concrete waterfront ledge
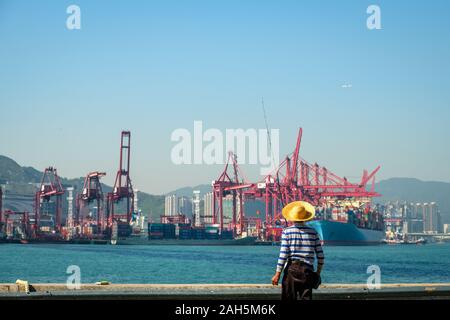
x: 221, y: 291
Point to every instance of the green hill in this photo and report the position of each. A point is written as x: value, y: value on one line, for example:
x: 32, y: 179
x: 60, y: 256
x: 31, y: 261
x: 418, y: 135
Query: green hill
x: 23, y: 181
x: 11, y: 171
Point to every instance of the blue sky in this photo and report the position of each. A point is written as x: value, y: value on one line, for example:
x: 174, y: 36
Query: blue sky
x: 154, y: 66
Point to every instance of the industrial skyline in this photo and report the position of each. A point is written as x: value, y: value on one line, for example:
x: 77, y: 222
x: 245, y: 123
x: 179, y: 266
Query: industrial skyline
x: 364, y: 97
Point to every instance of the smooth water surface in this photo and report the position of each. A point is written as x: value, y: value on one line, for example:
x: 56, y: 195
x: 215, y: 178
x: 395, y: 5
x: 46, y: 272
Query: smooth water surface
x: 40, y: 263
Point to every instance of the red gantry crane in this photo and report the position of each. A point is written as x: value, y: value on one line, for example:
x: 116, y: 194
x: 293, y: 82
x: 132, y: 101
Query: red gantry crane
x: 294, y: 179
x: 235, y: 185
x: 50, y: 188
x: 92, y: 192
x: 123, y: 189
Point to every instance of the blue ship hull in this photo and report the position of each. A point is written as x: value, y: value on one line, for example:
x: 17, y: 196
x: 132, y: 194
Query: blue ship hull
x: 341, y: 233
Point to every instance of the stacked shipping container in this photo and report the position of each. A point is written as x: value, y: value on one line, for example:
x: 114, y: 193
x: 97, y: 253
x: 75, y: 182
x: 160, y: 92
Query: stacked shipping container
x: 182, y: 231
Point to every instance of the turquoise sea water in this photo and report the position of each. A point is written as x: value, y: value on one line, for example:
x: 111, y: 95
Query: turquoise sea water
x: 227, y: 264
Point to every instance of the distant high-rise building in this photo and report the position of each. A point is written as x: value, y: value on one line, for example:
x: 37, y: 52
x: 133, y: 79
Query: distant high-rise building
x: 196, y: 208
x: 208, y: 213
x: 135, y: 204
x: 70, y: 207
x: 407, y: 211
x: 184, y: 206
x: 228, y: 209
x: 417, y: 211
x: 431, y: 218
x: 171, y: 205
x: 412, y: 226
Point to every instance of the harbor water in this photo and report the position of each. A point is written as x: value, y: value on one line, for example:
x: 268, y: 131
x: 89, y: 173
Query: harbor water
x: 48, y: 263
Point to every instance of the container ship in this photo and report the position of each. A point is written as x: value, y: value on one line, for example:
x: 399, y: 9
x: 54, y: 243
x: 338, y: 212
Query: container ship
x: 345, y: 233
x: 342, y: 226
x: 338, y: 233
x: 360, y: 225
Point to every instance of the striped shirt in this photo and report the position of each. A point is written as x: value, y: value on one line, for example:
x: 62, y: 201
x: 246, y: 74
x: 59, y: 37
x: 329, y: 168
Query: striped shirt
x: 300, y: 242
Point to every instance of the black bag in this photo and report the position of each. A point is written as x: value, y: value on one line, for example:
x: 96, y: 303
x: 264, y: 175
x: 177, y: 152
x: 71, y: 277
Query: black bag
x: 303, y: 274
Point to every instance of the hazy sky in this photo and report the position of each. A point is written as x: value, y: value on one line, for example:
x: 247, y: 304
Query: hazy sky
x: 154, y: 66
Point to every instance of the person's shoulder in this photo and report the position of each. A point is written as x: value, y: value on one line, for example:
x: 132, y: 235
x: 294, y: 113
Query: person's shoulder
x: 300, y: 229
x: 311, y: 229
x: 308, y: 230
x: 303, y: 227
